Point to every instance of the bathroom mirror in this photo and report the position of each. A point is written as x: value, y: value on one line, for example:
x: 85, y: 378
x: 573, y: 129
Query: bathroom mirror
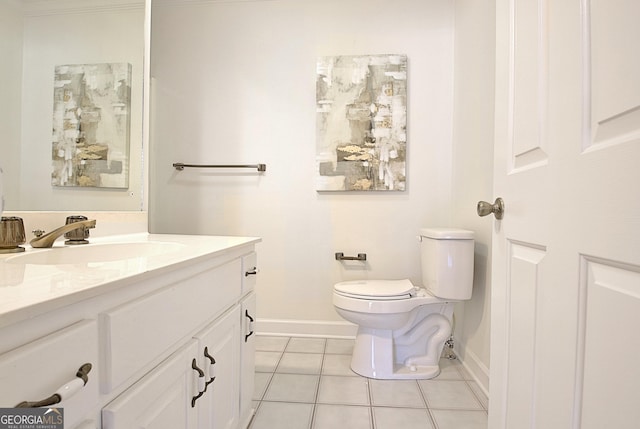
x: 36, y: 36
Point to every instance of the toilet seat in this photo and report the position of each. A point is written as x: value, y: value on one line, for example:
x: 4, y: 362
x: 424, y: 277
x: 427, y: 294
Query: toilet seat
x: 381, y: 296
x: 383, y: 290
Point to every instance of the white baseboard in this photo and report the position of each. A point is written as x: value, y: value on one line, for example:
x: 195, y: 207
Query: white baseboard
x: 476, y: 368
x: 305, y: 328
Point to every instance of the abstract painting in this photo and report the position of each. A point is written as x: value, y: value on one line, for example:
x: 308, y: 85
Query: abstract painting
x: 91, y: 123
x: 361, y: 123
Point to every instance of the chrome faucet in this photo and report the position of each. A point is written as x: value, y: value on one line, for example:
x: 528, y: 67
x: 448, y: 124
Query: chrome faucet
x: 48, y: 239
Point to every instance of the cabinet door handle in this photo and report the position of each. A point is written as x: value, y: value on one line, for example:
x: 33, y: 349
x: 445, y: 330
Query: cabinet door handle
x: 202, y: 384
x: 212, y: 368
x: 252, y: 272
x: 250, y: 325
x: 64, y: 392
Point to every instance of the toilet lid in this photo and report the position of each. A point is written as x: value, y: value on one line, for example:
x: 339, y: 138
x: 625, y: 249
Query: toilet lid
x: 380, y: 289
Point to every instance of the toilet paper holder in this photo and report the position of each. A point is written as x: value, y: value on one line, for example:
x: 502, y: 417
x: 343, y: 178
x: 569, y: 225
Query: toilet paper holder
x: 361, y: 257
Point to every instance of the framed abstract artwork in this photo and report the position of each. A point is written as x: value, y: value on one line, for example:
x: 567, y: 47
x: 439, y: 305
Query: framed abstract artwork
x: 361, y: 123
x: 91, y: 125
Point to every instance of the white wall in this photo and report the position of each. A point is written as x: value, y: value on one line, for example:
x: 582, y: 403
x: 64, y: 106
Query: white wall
x: 75, y: 35
x: 10, y: 93
x: 473, y: 169
x: 234, y: 82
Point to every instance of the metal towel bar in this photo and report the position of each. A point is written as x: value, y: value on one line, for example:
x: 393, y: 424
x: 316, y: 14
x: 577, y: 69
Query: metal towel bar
x: 180, y: 166
x: 361, y: 257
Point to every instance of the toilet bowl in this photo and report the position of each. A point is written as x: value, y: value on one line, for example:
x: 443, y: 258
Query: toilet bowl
x: 402, y: 328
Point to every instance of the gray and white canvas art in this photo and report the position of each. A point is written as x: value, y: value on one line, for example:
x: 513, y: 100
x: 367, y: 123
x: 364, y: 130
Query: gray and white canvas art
x: 91, y: 122
x: 361, y: 140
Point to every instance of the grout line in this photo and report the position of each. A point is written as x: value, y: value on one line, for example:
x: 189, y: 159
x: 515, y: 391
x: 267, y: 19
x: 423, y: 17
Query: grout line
x: 371, y: 407
x: 315, y: 404
x: 432, y: 418
x: 372, y: 419
x: 273, y: 373
x: 476, y: 395
x: 422, y: 396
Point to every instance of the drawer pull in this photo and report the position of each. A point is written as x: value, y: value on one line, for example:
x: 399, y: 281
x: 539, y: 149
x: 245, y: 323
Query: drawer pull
x: 212, y: 368
x: 202, y: 384
x: 64, y: 392
x: 249, y: 325
x: 252, y: 272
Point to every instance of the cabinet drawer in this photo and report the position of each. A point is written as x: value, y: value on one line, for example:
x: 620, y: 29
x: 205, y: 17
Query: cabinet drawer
x: 38, y: 369
x: 249, y: 272
x: 141, y: 332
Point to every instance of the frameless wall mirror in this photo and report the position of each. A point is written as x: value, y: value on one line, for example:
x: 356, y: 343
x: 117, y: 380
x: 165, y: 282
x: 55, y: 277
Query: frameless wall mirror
x: 39, y: 36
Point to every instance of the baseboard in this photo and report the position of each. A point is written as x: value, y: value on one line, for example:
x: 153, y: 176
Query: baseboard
x: 306, y: 328
x: 476, y: 368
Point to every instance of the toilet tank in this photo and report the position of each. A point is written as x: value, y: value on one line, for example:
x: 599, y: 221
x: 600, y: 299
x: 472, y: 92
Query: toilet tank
x: 447, y: 262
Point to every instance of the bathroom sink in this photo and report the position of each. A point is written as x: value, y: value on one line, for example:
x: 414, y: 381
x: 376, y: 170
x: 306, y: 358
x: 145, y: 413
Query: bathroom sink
x: 95, y: 253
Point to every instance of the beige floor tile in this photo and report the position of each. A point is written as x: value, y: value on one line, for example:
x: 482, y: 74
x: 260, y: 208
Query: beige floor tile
x: 300, y: 363
x: 306, y: 345
x: 401, y: 418
x: 292, y: 388
x: 283, y: 415
x: 342, y: 416
x: 343, y: 390
x: 396, y: 393
x: 458, y: 419
x: 270, y: 343
x: 337, y: 365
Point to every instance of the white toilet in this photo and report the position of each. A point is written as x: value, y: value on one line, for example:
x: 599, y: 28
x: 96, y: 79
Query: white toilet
x: 402, y: 327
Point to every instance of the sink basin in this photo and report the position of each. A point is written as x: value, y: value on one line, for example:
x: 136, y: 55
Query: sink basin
x: 95, y: 253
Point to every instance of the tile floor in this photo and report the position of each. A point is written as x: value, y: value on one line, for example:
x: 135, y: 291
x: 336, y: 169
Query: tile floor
x: 306, y: 383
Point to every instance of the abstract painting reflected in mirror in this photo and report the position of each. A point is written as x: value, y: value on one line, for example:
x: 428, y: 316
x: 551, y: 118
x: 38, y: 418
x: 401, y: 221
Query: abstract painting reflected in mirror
x: 361, y: 123
x: 91, y: 125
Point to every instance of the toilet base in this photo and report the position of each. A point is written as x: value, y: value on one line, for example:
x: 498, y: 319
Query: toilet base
x: 401, y: 372
x: 373, y: 357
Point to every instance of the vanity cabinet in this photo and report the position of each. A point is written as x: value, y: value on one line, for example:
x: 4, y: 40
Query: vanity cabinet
x: 170, y: 351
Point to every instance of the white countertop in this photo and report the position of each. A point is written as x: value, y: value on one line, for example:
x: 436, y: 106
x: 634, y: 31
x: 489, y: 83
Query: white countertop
x: 27, y: 290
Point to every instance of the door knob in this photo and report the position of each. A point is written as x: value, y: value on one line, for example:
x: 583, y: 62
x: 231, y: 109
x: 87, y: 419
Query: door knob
x: 497, y: 208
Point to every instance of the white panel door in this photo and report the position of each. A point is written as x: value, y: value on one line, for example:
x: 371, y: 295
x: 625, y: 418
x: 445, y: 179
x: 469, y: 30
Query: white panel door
x: 566, y: 261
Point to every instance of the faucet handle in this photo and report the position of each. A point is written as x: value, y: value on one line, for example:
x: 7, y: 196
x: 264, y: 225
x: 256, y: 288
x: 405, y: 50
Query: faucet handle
x: 79, y: 235
x: 11, y: 234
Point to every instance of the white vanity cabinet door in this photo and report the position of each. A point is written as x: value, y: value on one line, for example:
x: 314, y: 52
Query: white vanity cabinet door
x: 38, y: 369
x: 160, y: 400
x: 218, y: 408
x: 247, y: 358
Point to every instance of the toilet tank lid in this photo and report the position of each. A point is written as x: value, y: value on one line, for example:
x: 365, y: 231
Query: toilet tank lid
x: 378, y: 288
x: 447, y: 233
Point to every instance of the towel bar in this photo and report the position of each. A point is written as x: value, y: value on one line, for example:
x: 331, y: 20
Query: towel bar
x: 180, y: 166
x: 361, y: 257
